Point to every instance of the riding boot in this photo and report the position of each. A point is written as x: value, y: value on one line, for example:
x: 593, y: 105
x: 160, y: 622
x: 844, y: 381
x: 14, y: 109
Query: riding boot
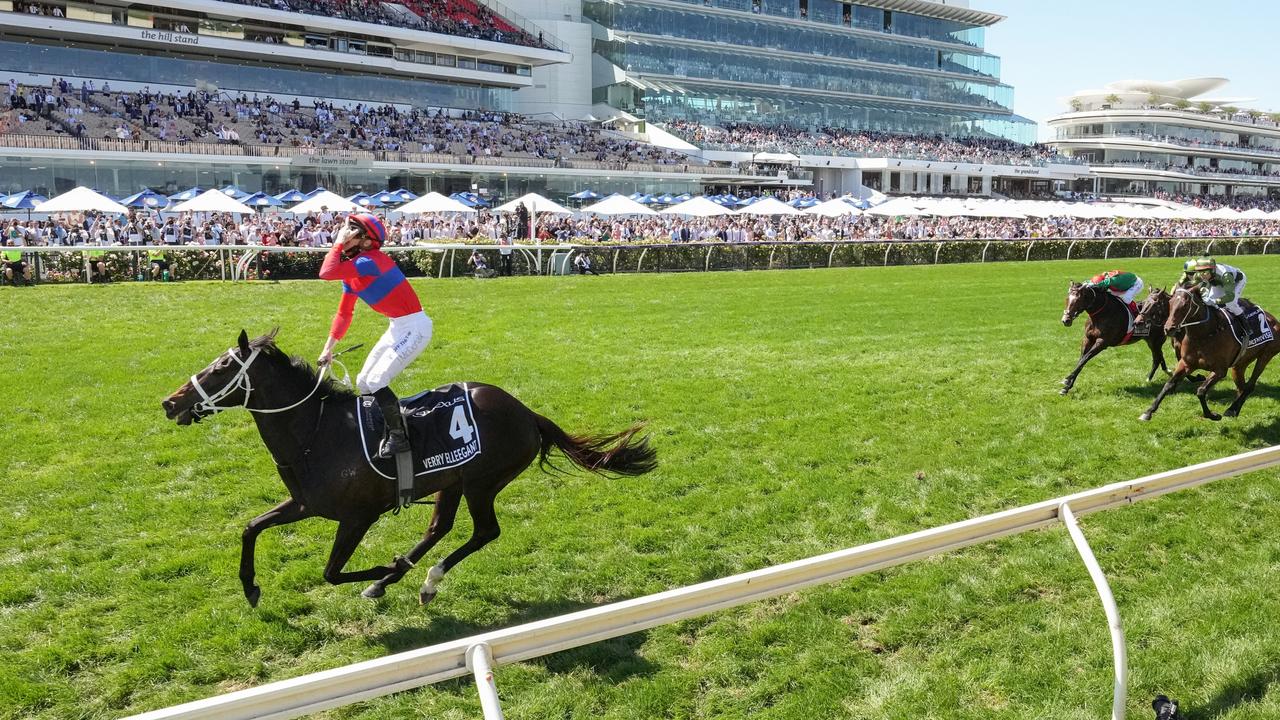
x: 395, y: 439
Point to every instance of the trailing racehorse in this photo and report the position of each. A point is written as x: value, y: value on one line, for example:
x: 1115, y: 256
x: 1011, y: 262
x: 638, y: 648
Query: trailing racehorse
x: 311, y: 427
x: 1208, y: 343
x: 1107, y: 326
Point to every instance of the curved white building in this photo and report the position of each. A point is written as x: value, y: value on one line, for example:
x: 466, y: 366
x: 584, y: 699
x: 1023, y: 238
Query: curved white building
x: 1178, y: 136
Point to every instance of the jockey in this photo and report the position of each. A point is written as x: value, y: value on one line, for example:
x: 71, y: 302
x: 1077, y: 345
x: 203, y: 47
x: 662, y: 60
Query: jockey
x: 1124, y: 285
x: 1219, y: 283
x: 370, y: 275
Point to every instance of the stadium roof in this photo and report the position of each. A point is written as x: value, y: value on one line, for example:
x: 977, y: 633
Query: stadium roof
x: 946, y: 10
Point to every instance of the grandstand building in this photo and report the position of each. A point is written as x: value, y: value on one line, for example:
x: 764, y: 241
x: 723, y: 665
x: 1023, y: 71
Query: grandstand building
x: 360, y: 96
x: 1144, y: 136
x: 455, y: 56
x: 889, y: 66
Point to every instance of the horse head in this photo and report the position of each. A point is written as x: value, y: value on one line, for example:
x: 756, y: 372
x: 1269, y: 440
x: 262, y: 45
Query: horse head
x: 222, y: 384
x: 1183, y: 304
x: 1079, y: 298
x: 1154, y: 308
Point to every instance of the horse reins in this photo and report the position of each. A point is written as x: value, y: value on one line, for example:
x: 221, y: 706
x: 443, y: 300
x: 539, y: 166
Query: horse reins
x: 1184, y: 323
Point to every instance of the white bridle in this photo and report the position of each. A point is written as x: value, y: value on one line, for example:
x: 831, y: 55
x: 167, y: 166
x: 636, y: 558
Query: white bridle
x: 209, y: 404
x: 1184, y: 323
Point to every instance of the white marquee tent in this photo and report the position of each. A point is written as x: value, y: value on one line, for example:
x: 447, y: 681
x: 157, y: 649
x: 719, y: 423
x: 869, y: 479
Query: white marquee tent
x: 212, y: 201
x: 81, y: 199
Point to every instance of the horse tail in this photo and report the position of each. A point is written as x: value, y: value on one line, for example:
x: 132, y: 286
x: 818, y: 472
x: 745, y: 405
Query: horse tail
x: 617, y: 454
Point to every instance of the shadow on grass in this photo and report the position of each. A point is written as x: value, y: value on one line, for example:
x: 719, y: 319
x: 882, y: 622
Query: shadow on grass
x: 1244, y: 691
x: 615, y: 660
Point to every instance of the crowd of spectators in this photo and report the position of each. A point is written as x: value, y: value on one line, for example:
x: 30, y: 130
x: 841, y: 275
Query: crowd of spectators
x: 464, y: 18
x: 1266, y: 203
x: 318, y: 230
x: 862, y: 143
x: 318, y: 126
x: 1196, y: 169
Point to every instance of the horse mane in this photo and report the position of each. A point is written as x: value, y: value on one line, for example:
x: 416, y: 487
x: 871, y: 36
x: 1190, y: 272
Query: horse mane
x: 299, y: 366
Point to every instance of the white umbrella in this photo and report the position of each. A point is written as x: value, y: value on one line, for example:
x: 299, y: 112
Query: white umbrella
x: 618, y: 205
x: 769, y: 206
x: 212, y: 201
x: 433, y: 202
x: 697, y: 207
x: 323, y: 201
x: 833, y: 208
x: 1255, y: 214
x: 896, y: 207
x: 1224, y: 213
x: 535, y: 203
x: 81, y: 199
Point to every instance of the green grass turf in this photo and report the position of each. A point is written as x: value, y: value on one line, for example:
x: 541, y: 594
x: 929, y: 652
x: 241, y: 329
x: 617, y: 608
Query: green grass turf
x: 796, y: 412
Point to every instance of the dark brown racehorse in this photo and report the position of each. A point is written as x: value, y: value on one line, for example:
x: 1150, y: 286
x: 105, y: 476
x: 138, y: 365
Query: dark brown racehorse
x: 1208, y: 344
x: 309, y: 425
x: 1106, y: 327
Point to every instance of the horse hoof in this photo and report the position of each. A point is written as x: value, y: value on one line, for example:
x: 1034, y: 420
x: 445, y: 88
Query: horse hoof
x: 1214, y: 417
x: 252, y: 595
x: 425, y: 598
x: 1145, y: 417
x: 1232, y: 413
x: 373, y: 592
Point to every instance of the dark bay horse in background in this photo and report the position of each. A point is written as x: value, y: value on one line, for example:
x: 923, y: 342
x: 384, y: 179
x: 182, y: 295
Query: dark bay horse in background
x: 309, y: 425
x: 1207, y: 343
x: 1107, y: 326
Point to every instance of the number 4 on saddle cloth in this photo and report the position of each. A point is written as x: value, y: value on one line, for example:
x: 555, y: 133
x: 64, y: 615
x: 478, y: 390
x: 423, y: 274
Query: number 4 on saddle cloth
x: 442, y: 434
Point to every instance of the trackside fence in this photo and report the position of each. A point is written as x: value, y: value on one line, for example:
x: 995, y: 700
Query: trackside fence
x: 479, y: 654
x: 255, y: 262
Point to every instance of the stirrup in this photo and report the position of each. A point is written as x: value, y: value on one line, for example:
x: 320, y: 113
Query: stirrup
x: 393, y: 444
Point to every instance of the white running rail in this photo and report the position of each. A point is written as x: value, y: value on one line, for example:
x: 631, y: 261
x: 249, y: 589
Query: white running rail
x: 480, y: 653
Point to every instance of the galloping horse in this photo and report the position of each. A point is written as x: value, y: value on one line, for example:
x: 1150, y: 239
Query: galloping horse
x: 1208, y: 344
x: 1107, y: 326
x: 317, y: 448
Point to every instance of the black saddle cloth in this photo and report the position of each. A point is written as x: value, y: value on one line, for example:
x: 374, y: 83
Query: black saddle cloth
x: 442, y: 430
x: 1260, y: 331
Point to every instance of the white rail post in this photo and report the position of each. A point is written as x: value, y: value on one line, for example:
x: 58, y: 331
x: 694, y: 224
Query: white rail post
x: 1118, y: 652
x: 480, y: 663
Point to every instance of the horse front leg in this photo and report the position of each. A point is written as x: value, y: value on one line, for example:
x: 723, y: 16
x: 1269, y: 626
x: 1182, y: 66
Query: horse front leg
x: 345, y: 542
x: 1178, y: 372
x: 286, y: 512
x: 1202, y: 392
x: 1244, y: 390
x: 441, y: 523
x: 1089, y: 351
x: 1157, y: 356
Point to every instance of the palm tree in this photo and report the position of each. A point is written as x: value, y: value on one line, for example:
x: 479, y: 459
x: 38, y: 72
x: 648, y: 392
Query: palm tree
x: 1076, y: 105
x: 1230, y: 110
x: 1204, y: 106
x: 1112, y: 99
x: 1182, y: 103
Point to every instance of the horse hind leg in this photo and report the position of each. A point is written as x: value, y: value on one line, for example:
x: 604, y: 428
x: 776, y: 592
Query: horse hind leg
x: 486, y: 530
x: 441, y: 523
x: 1243, y: 391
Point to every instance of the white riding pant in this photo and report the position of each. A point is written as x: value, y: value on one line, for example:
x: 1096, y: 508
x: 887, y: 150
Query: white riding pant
x: 1216, y: 293
x: 399, y: 345
x: 1128, y: 295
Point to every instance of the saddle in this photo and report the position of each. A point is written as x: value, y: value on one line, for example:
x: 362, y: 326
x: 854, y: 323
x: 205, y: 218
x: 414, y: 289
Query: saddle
x: 442, y: 433
x: 1250, y: 328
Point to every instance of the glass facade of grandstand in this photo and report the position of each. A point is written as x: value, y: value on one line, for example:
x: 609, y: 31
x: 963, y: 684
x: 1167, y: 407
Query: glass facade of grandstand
x: 805, y: 63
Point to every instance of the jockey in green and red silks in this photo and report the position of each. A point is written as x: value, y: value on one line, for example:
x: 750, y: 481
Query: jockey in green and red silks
x: 1124, y: 285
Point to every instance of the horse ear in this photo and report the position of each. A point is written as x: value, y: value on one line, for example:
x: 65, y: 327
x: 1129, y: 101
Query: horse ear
x: 243, y: 342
